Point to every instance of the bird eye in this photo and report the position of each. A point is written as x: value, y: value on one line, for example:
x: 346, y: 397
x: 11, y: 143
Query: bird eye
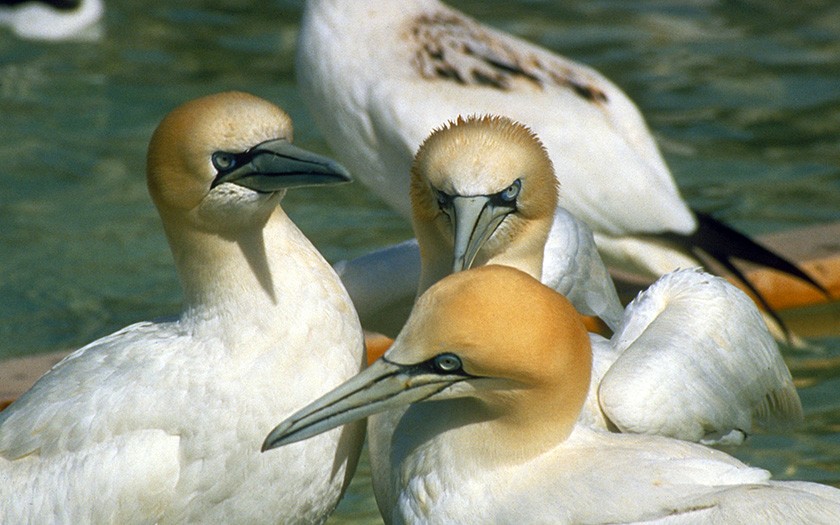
x: 510, y: 193
x: 223, y: 161
x: 443, y: 200
x: 447, y: 363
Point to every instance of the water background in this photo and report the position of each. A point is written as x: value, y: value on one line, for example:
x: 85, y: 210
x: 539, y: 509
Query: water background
x: 744, y: 98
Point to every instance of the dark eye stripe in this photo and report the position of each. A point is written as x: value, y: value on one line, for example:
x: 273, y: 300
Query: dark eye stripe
x: 441, y: 364
x: 227, y: 161
x: 507, y: 197
x: 444, y: 200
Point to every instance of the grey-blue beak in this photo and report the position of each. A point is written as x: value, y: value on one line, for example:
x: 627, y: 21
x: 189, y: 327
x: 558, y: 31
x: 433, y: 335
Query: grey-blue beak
x: 276, y: 165
x: 474, y: 219
x: 380, y: 387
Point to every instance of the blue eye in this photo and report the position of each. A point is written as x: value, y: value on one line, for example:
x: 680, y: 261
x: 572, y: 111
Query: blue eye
x: 447, y: 363
x: 510, y: 193
x: 223, y: 161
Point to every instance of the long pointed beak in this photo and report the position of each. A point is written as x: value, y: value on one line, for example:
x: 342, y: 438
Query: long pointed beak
x: 382, y: 386
x: 474, y: 219
x: 275, y: 165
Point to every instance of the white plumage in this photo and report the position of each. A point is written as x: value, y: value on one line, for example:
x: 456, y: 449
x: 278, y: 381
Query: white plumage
x: 161, y: 422
x: 690, y: 358
x: 485, y: 384
x: 378, y: 77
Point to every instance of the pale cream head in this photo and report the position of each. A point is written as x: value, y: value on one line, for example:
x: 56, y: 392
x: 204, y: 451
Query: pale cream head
x: 483, y: 156
x: 180, y: 171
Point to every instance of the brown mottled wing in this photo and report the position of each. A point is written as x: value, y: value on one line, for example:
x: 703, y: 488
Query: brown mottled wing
x: 455, y: 48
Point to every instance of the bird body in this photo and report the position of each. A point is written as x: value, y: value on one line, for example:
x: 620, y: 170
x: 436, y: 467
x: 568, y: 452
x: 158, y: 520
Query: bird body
x: 161, y: 422
x: 398, y: 70
x: 639, y: 478
x: 692, y: 359
x: 378, y: 77
x: 489, y: 391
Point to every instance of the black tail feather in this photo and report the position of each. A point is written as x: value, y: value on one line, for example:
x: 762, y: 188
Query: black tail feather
x: 726, y: 263
x: 723, y: 244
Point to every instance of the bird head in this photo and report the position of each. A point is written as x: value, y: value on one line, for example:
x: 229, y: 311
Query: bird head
x: 483, y: 191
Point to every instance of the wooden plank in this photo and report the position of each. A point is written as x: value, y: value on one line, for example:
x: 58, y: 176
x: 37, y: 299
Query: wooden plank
x: 817, y: 250
x: 18, y: 374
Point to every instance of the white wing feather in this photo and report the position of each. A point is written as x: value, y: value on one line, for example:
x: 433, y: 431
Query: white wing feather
x: 693, y: 359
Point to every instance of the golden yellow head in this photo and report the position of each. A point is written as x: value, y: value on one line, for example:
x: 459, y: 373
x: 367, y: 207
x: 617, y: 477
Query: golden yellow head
x: 501, y: 323
x: 493, y: 334
x: 481, y: 156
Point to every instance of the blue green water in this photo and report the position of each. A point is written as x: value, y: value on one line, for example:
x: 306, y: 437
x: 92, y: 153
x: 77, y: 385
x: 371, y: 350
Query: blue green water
x: 744, y: 98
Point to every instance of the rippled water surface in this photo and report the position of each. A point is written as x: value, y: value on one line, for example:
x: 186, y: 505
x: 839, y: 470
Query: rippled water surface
x: 744, y: 98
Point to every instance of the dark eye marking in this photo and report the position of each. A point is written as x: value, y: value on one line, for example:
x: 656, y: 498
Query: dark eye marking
x: 444, y: 200
x: 507, y: 197
x: 227, y: 161
x: 447, y: 363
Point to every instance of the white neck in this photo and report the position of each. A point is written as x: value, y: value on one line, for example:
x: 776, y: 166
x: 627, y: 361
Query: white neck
x: 234, y: 286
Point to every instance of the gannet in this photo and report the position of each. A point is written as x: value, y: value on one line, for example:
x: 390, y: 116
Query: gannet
x: 378, y: 77
x: 53, y: 19
x: 542, y: 238
x: 161, y: 422
x: 491, y: 371
x: 483, y: 191
x: 690, y: 358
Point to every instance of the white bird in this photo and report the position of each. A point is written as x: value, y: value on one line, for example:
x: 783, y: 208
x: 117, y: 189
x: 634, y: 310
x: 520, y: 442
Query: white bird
x: 161, y: 422
x: 378, y: 77
x: 483, y: 191
x: 490, y: 374
x: 690, y: 358
x: 467, y: 176
x: 53, y: 19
